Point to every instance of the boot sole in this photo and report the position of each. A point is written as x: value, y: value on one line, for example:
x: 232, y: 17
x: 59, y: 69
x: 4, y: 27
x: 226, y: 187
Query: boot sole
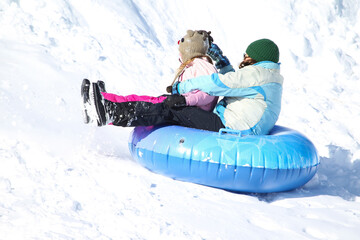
x: 98, y: 104
x: 101, y: 85
x: 85, y: 87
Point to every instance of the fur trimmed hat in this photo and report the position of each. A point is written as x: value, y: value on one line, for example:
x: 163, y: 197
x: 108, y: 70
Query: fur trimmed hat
x: 263, y: 50
x: 193, y: 44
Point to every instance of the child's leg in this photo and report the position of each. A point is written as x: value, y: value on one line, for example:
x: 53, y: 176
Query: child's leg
x: 132, y: 98
x: 195, y: 117
x: 131, y: 111
x: 133, y: 114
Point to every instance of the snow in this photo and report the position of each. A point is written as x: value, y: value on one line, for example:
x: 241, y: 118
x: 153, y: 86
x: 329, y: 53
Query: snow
x: 62, y: 179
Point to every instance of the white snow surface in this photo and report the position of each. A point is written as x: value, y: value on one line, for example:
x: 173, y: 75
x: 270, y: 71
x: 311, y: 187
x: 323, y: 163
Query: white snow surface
x: 62, y: 179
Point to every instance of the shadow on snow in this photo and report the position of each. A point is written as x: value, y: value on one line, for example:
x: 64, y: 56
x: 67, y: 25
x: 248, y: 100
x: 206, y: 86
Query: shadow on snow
x: 336, y: 176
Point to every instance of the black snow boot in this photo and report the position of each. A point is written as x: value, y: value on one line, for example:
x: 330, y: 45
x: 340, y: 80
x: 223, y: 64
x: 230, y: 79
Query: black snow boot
x: 94, y: 107
x: 99, y: 112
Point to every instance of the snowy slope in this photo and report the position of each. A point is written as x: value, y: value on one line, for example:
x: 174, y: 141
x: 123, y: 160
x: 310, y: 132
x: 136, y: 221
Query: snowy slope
x: 61, y: 179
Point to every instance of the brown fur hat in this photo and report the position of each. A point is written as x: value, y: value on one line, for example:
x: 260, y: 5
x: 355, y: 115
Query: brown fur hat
x: 193, y: 44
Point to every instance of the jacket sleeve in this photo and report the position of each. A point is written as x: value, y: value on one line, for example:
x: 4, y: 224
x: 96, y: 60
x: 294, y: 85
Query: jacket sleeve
x: 198, y: 98
x: 232, y: 84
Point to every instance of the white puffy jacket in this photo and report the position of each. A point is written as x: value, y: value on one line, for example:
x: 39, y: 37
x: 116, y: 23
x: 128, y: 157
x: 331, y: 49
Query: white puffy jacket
x: 252, y: 96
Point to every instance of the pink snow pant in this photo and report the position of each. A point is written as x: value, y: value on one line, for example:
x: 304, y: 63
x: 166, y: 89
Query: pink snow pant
x: 132, y: 98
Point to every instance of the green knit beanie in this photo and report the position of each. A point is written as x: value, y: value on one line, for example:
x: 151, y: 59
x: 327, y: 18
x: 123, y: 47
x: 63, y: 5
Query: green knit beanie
x: 263, y: 50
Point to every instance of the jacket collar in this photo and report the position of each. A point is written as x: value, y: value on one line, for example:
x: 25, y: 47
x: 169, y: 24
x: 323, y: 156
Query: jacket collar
x: 268, y: 65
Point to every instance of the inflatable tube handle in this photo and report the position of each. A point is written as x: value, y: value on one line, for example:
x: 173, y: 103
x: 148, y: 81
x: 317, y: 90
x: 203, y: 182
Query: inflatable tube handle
x: 223, y: 131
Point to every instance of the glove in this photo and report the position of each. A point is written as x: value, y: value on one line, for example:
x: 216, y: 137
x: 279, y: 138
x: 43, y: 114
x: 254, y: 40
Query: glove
x: 217, y: 56
x: 215, y: 52
x: 173, y: 89
x: 175, y: 101
x: 222, y: 63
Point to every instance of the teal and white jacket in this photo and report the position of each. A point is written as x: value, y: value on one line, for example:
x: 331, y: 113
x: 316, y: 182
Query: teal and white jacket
x: 252, y: 96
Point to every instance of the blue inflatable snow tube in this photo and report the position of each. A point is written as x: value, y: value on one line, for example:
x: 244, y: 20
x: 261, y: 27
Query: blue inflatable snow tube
x: 280, y: 161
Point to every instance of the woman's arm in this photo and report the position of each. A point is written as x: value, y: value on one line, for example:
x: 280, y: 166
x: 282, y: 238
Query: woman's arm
x: 231, y: 84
